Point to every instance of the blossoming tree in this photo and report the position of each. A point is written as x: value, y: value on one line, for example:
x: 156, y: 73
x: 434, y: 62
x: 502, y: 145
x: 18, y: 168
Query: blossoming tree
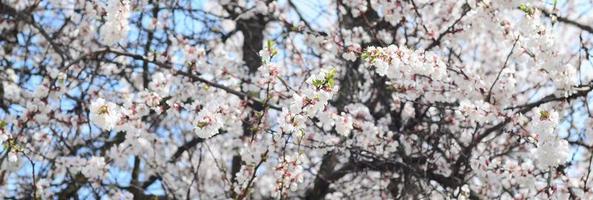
x: 291, y: 99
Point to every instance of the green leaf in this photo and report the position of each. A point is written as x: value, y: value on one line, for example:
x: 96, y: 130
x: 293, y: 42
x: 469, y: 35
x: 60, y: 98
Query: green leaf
x: 526, y: 9
x: 3, y: 124
x: 365, y: 55
x: 271, y: 45
x: 327, y: 81
x: 317, y: 83
x: 329, y: 78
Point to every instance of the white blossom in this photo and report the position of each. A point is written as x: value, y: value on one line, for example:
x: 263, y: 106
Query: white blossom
x: 344, y: 124
x: 104, y: 114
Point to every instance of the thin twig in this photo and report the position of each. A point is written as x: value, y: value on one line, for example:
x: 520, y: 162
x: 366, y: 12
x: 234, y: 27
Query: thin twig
x: 502, y: 69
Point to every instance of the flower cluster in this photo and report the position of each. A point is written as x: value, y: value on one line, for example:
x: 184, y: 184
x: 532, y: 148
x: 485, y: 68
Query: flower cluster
x: 310, y: 103
x: 551, y: 149
x: 116, y: 26
x: 289, y: 174
x: 95, y: 167
x: 208, y: 121
x: 402, y: 63
x: 389, y: 99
